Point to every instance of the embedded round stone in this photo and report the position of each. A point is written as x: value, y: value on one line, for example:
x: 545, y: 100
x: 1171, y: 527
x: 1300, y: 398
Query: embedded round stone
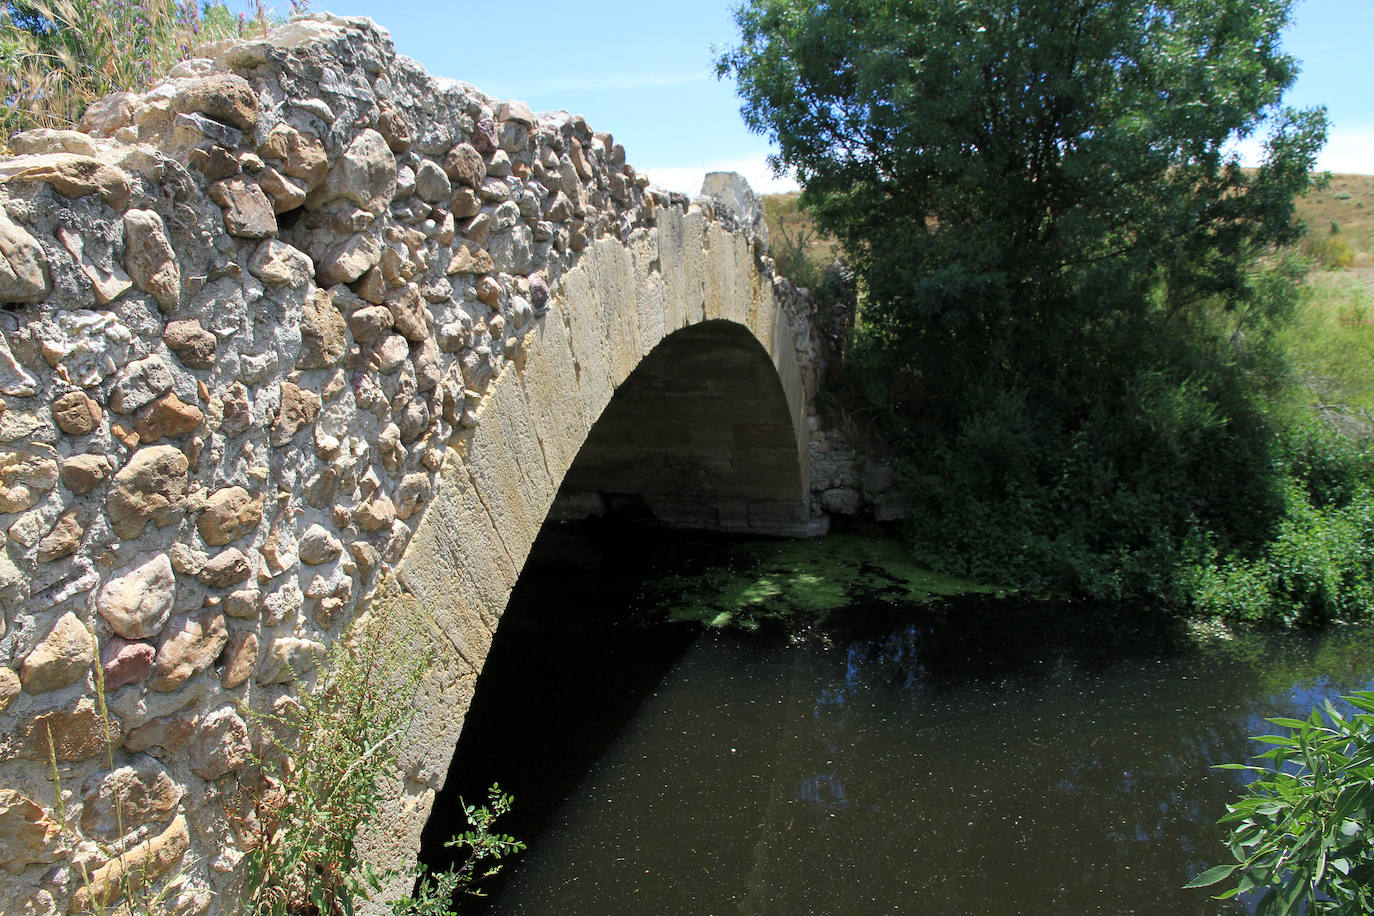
x: 229, y: 514
x: 137, y: 604
x: 150, y: 488
x: 63, y: 657
x: 75, y: 413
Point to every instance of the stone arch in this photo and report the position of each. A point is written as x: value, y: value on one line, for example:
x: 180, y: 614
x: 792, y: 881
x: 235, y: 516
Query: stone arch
x: 684, y: 296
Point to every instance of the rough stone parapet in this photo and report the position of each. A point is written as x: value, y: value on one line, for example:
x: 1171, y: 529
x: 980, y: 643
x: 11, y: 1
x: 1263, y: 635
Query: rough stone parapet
x: 245, y: 317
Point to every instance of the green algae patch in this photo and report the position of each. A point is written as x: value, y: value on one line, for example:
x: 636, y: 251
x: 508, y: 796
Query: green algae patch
x: 803, y: 582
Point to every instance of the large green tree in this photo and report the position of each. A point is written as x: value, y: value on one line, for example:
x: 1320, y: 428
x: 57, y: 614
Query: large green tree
x: 1062, y: 258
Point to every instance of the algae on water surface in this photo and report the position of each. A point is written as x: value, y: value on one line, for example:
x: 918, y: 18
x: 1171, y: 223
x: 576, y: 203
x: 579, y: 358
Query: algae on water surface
x: 787, y: 580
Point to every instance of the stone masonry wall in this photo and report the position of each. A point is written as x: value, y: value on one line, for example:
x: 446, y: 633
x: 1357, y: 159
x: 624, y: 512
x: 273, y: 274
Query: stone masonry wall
x: 245, y: 319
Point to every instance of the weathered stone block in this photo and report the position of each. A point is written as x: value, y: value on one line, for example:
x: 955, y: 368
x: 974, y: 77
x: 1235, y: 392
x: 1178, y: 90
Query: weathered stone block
x: 150, y: 488
x: 75, y: 413
x: 192, y: 344
x: 64, y: 539
x: 63, y: 657
x: 123, y: 662
x: 135, y: 869
x: 465, y: 165
x: 287, y: 658
x: 240, y: 659
x: 167, y: 417
x: 28, y: 834
x: 318, y: 546
x: 137, y: 604
x: 226, y: 568
x: 247, y: 211
x: 149, y: 259
x: 302, y: 156
x: 141, y: 382
x: 117, y: 802
x: 365, y: 174
x: 225, y: 97
x: 190, y: 645
x: 71, y: 176
x: 78, y: 732
x: 221, y: 745
x: 25, y: 476
x: 229, y: 514
x: 82, y: 473
x: 298, y: 409
x: 276, y: 263
x: 23, y: 264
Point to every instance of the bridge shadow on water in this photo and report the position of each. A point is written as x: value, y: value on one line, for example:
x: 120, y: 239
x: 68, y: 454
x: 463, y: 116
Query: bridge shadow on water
x: 566, y: 672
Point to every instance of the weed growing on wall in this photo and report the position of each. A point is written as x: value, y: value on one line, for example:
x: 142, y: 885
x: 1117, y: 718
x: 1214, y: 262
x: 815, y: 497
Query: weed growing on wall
x: 435, y: 892
x: 332, y: 752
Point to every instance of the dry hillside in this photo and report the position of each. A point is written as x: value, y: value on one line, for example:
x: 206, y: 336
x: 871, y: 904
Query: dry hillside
x: 1344, y: 209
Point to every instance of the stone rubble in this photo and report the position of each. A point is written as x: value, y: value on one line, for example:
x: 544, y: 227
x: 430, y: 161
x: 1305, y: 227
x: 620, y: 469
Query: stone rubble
x: 244, y: 317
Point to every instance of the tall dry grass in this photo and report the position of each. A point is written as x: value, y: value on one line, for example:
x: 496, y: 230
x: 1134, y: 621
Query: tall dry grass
x: 59, y: 56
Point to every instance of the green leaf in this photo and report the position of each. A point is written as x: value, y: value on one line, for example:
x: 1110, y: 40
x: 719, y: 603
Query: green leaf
x: 1286, y: 722
x: 1212, y: 876
x: 1364, y: 701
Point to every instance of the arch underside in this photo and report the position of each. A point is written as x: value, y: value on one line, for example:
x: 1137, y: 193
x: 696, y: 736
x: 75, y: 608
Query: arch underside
x: 701, y: 432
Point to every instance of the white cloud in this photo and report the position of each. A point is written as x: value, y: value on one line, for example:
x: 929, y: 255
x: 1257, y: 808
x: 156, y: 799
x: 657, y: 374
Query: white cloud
x: 1350, y: 150
x: 688, y: 178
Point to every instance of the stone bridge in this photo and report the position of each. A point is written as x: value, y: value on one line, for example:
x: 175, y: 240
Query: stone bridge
x: 298, y: 321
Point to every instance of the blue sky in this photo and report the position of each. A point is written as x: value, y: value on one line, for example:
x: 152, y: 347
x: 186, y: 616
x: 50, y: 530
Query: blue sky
x: 643, y: 71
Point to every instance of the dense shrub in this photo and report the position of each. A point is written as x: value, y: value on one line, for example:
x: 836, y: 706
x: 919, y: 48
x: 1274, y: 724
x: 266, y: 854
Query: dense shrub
x: 1329, y: 250
x: 1318, y: 564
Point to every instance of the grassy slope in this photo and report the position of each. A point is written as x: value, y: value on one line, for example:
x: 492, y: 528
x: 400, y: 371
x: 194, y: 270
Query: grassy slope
x: 1332, y: 343
x: 787, y: 225
x: 1346, y: 205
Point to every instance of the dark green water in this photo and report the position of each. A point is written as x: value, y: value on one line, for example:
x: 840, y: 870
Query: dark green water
x: 982, y: 756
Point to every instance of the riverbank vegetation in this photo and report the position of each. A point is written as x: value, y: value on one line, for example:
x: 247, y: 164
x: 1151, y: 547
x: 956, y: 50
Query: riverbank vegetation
x: 1085, y: 328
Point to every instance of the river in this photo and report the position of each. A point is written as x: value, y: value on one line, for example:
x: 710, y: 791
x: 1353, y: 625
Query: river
x: 976, y: 755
